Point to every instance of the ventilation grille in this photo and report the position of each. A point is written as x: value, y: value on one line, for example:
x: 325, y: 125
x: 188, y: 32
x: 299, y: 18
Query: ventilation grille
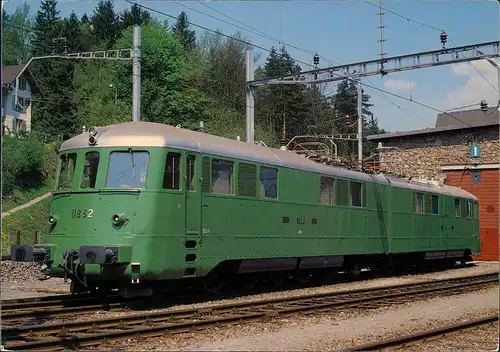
x: 247, y: 184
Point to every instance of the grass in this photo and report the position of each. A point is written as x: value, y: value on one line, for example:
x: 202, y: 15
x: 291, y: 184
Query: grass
x: 21, y: 197
x: 28, y: 221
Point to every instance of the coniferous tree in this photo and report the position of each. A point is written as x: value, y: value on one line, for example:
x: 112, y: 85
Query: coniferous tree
x: 344, y: 101
x: 46, y: 28
x: 53, y: 113
x: 182, y: 31
x: 105, y: 22
x: 283, y: 107
x: 73, y: 33
x: 85, y: 18
x: 134, y: 16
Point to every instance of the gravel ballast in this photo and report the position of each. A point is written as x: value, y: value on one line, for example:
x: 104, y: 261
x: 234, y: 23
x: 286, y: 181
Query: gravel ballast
x: 334, y: 331
x: 22, y: 279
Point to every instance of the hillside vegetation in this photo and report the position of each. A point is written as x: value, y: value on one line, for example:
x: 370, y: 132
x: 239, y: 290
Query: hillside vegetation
x: 187, y: 77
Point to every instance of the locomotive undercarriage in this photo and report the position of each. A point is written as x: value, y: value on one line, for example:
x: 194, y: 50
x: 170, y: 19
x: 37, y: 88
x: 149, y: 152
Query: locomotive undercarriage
x: 99, y: 270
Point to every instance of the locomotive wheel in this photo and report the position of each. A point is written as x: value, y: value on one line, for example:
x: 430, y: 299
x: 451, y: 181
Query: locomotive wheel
x: 277, y: 278
x: 250, y: 282
x: 213, y: 285
x: 75, y: 288
x: 302, y: 277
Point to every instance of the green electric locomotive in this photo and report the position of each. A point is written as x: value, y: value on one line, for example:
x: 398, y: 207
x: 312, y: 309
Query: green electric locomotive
x: 139, y: 206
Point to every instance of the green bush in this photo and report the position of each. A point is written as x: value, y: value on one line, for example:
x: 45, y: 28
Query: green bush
x: 23, y: 159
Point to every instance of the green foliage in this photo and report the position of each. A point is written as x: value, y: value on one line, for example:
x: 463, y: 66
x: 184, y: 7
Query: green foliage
x: 166, y: 97
x: 16, y: 36
x: 22, y: 163
x: 181, y: 30
x: 136, y: 16
x: 105, y: 23
x: 183, y: 81
x: 27, y: 221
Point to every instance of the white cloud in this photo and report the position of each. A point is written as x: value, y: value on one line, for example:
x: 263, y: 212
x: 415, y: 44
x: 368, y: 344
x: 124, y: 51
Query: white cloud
x: 476, y: 88
x: 399, y: 85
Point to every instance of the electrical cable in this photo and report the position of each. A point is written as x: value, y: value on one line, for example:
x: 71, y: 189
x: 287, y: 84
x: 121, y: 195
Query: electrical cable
x: 211, y: 30
x: 434, y: 28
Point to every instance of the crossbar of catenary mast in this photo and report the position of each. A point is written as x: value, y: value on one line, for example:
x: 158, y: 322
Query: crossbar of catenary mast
x: 392, y: 64
x: 114, y: 54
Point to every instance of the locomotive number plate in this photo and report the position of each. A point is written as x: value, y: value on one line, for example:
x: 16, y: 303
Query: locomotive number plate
x: 81, y: 213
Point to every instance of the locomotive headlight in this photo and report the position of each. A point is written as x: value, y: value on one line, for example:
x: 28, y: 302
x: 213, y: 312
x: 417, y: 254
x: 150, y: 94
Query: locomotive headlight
x: 119, y: 219
x: 92, y: 131
x: 52, y: 220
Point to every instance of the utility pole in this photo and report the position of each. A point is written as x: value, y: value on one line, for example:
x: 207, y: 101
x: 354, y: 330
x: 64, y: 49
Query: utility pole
x: 249, y: 98
x: 382, y: 40
x: 360, y: 123
x: 136, y: 78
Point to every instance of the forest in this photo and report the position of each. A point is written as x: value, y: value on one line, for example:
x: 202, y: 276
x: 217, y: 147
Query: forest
x: 187, y: 76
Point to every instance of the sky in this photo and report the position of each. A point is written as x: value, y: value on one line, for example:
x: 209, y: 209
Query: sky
x: 346, y: 32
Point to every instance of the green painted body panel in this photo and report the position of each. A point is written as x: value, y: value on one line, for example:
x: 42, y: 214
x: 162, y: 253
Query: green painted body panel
x: 227, y: 227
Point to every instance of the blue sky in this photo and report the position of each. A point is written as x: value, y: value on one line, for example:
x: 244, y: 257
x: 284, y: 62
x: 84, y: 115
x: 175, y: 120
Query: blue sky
x: 346, y: 31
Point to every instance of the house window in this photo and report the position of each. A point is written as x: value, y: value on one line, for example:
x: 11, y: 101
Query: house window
x: 22, y: 103
x: 22, y: 84
x: 326, y: 193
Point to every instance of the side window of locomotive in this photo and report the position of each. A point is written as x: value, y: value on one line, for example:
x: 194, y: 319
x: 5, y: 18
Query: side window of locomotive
x: 222, y: 176
x: 435, y: 205
x: 90, y: 170
x: 171, y: 174
x: 342, y: 192
x: 268, y: 182
x: 463, y: 208
x: 190, y: 171
x: 127, y: 169
x: 247, y: 180
x: 66, y: 171
x: 326, y: 191
x: 355, y: 194
x: 457, y: 207
x: 469, y: 209
x: 418, y: 202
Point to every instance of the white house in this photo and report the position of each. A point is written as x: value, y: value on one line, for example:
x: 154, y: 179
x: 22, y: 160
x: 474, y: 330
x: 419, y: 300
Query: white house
x: 16, y: 116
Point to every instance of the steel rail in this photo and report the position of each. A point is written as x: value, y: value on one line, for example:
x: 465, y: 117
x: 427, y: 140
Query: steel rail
x: 59, y: 308
x: 422, y: 335
x: 92, y: 332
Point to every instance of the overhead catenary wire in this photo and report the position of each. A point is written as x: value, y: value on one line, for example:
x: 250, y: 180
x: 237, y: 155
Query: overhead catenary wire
x: 436, y: 29
x: 211, y: 30
x: 263, y: 34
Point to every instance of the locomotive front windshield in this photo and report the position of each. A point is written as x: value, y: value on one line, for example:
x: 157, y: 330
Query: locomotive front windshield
x: 127, y: 169
x: 66, y: 171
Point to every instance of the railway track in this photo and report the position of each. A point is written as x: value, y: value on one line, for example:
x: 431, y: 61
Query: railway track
x: 82, y: 333
x: 67, y: 304
x: 406, y: 340
x: 21, y: 310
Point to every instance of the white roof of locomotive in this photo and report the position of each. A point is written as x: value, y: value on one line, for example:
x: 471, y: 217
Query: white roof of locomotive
x: 148, y: 134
